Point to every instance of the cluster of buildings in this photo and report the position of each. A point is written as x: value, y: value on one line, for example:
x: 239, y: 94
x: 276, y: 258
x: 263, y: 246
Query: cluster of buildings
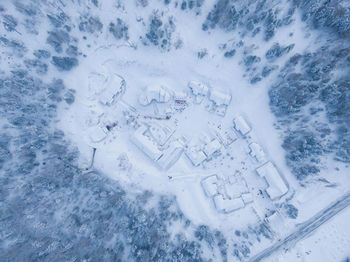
x: 219, y: 100
x: 232, y: 194
x: 227, y: 195
x: 158, y: 93
x: 157, y: 142
x: 203, y: 150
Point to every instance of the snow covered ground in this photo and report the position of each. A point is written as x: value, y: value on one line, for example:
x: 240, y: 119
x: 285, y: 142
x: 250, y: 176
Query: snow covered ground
x: 136, y: 116
x: 329, y: 243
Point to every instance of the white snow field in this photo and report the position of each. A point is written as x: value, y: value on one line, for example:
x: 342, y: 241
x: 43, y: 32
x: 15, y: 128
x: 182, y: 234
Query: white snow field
x: 329, y: 243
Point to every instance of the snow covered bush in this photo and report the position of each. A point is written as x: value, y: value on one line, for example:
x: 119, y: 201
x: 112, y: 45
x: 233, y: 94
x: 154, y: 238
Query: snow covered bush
x: 277, y: 51
x: 291, y: 210
x: 57, y: 38
x: 9, y: 23
x: 119, y: 29
x: 13, y: 47
x: 90, y: 24
x: 64, y: 63
x: 160, y: 33
x: 332, y: 14
x: 223, y: 14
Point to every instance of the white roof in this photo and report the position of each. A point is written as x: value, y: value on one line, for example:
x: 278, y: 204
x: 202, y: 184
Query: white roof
x: 241, y: 125
x: 160, y: 133
x: 170, y: 155
x: 276, y: 186
x: 209, y: 185
x: 113, y: 87
x: 227, y: 137
x: 212, y: 147
x: 247, y: 198
x: 196, y: 156
x: 235, y: 187
x: 221, y: 110
x: 157, y: 93
x: 145, y: 144
x: 179, y: 95
x: 220, y: 98
x: 227, y: 205
x: 198, y: 88
x: 256, y: 152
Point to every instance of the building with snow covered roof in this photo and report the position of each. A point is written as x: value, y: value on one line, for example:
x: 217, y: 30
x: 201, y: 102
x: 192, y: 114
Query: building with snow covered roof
x: 170, y: 155
x: 146, y: 144
x: 211, y: 147
x: 210, y: 185
x: 180, y: 100
x: 219, y: 98
x: 247, y: 198
x: 235, y: 186
x: 256, y: 152
x: 226, y: 205
x: 160, y: 133
x: 220, y: 101
x: 179, y: 95
x: 229, y: 194
x: 147, y: 141
x: 157, y: 93
x: 241, y: 125
x: 199, y: 90
x: 113, y: 89
x: 276, y: 187
x: 226, y: 137
x: 195, y: 155
x: 108, y: 88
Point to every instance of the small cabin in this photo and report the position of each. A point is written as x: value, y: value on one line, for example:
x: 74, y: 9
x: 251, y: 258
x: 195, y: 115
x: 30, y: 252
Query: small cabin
x: 212, y: 147
x: 256, y: 152
x: 241, y: 125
